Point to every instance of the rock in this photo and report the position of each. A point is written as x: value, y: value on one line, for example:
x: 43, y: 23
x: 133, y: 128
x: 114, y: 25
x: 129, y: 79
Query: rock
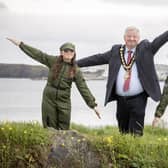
x: 70, y: 149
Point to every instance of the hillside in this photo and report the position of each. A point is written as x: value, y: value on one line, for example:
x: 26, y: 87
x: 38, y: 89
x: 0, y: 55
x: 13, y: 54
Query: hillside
x: 40, y: 72
x: 22, y: 71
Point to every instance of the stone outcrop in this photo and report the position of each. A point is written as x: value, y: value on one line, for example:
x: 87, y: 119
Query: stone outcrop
x: 70, y: 149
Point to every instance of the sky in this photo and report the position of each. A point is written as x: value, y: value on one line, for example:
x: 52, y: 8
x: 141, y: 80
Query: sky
x: 92, y: 25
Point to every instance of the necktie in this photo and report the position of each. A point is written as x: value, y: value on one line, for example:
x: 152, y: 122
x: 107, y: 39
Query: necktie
x: 128, y: 74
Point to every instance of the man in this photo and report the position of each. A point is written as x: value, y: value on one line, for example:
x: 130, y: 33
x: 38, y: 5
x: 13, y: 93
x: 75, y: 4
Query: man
x: 131, y: 78
x: 162, y: 105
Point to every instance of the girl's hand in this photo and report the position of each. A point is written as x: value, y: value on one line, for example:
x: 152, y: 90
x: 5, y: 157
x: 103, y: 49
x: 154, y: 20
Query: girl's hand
x: 16, y: 42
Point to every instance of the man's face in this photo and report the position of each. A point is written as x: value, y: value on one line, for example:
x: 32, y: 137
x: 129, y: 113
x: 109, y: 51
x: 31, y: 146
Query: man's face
x: 131, y: 39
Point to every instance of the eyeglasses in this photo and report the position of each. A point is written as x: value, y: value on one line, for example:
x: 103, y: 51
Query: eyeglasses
x: 67, y: 50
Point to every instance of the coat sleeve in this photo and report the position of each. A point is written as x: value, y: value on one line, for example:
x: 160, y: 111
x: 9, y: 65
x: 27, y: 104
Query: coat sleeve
x: 163, y: 102
x: 159, y: 41
x: 98, y: 59
x: 36, y: 54
x: 84, y: 90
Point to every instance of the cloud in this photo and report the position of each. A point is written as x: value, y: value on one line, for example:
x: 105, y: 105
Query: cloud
x: 3, y: 6
x: 87, y: 7
x: 93, y: 27
x: 139, y: 2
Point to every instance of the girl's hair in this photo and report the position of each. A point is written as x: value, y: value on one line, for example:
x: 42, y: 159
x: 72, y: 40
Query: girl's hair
x: 58, y: 65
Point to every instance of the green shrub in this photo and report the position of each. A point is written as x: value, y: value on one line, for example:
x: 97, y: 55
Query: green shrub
x: 22, y: 143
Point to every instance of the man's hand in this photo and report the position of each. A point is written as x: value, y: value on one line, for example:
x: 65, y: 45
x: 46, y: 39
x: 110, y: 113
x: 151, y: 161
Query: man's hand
x: 16, y: 42
x: 155, y: 121
x: 97, y: 112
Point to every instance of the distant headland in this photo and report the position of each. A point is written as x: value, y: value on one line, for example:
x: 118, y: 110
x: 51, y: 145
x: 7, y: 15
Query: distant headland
x: 41, y: 72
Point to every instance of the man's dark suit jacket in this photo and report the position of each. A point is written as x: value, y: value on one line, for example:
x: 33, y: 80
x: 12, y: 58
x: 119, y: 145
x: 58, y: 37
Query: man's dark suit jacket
x: 145, y: 52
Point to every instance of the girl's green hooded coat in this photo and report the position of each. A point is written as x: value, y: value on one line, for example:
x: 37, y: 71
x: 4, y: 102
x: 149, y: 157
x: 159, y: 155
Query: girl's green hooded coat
x: 56, y: 103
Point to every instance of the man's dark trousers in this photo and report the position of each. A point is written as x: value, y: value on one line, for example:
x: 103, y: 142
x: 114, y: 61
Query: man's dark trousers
x: 131, y: 113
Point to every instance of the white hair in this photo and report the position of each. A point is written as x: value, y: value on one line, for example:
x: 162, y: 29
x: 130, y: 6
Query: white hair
x: 131, y: 28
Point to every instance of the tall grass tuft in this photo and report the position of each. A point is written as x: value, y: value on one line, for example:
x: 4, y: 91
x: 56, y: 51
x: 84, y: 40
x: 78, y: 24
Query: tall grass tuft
x: 127, y: 151
x: 21, y: 144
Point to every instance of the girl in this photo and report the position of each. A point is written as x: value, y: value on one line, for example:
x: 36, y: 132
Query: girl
x: 56, y: 103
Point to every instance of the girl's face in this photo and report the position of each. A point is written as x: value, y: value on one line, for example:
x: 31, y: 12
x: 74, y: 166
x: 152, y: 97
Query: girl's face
x: 68, y: 54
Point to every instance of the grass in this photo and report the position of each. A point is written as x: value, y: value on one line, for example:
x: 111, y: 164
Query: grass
x: 26, y: 145
x: 126, y: 151
x: 22, y: 144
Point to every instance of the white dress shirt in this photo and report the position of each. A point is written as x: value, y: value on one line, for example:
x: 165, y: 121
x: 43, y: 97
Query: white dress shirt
x: 135, y: 86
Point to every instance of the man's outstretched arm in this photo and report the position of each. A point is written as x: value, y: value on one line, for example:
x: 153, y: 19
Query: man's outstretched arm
x: 159, y: 41
x: 98, y: 59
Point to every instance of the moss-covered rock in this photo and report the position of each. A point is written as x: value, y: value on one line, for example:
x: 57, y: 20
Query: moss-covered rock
x: 72, y: 150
